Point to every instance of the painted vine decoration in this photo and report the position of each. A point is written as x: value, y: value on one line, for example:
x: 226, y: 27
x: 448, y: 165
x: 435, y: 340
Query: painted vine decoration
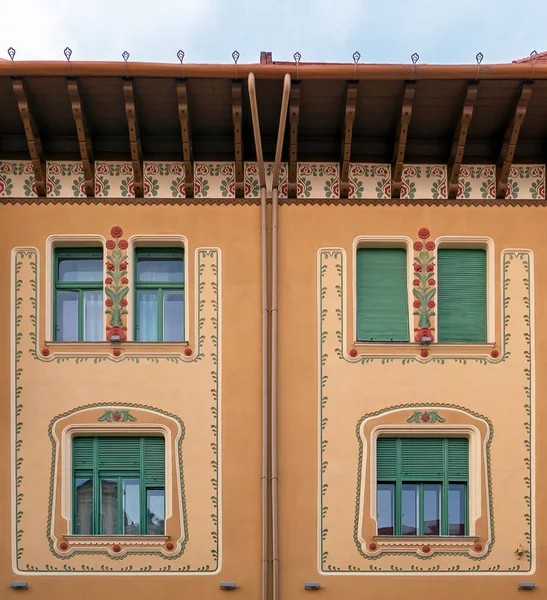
x: 424, y: 285
x: 116, y: 284
x: 428, y: 416
x: 117, y: 416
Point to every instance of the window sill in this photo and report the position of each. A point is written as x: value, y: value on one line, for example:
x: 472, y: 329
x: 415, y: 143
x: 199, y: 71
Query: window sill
x: 129, y: 347
x: 414, y: 348
x: 126, y: 540
x: 421, y: 540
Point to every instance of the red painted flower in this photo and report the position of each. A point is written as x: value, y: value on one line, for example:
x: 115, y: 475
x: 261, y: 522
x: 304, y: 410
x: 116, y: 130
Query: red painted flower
x: 431, y: 304
x: 111, y: 244
x: 123, y: 244
x: 123, y: 302
x: 109, y: 266
x: 418, y: 246
x: 45, y: 351
x: 353, y: 352
x: 108, y: 281
x: 423, y: 332
x: 424, y: 353
x: 431, y: 281
x: 123, y: 266
x: 430, y: 246
x: 423, y: 233
x: 124, y: 280
x: 116, y: 232
x: 116, y: 352
x: 417, y: 304
x: 372, y: 546
x: 109, y: 302
x: 417, y: 268
x: 416, y: 282
x: 430, y: 267
x: 494, y: 354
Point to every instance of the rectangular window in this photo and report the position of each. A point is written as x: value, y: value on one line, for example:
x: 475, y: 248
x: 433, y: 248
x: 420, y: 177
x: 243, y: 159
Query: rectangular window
x: 159, y: 291
x: 119, y: 485
x: 78, y: 295
x: 422, y: 486
x: 461, y: 302
x: 382, y: 297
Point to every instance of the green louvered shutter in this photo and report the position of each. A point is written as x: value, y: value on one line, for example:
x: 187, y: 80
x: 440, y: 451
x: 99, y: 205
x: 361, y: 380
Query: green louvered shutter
x: 119, y: 453
x: 458, y: 459
x: 386, y: 459
x: 461, y: 301
x: 382, y: 299
x: 82, y: 453
x: 422, y: 459
x: 154, y: 461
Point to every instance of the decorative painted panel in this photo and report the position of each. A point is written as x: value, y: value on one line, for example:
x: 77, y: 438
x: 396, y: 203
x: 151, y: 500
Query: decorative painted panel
x: 318, y: 180
x: 526, y: 182
x: 477, y: 181
x: 252, y: 182
x: 164, y: 180
x: 369, y: 181
x: 17, y: 179
x: 65, y: 180
x: 424, y: 181
x: 214, y: 180
x: 114, y: 180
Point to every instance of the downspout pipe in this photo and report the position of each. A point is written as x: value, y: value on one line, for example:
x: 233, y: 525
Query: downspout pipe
x: 273, y: 341
x: 264, y: 275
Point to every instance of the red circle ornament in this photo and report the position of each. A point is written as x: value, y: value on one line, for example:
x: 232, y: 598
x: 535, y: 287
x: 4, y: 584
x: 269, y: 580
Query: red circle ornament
x: 169, y: 546
x: 431, y: 304
x: 477, y: 547
x: 431, y: 281
x: 353, y: 353
x: 430, y: 267
x: 424, y: 353
x: 418, y: 246
x: 109, y: 302
x: 108, y: 281
x: 116, y: 548
x: 188, y: 351
x: 424, y: 233
x: 430, y: 246
x: 117, y: 352
x: 123, y: 302
x: 494, y: 354
x: 116, y: 232
x: 372, y: 546
x: 416, y: 282
x: 417, y: 268
x: 123, y: 266
x: 124, y: 280
x: 45, y: 351
x: 109, y: 266
x: 63, y: 546
x: 111, y: 244
x: 123, y: 244
x: 426, y: 549
x: 416, y: 304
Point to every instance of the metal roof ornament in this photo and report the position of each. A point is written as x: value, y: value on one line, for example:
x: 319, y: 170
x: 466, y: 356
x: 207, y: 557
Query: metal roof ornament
x: 180, y: 56
x: 125, y: 56
x: 68, y: 53
x: 11, y: 54
x: 415, y: 57
x: 297, y: 56
x: 356, y: 58
x: 479, y: 57
x: 235, y: 56
x: 533, y: 56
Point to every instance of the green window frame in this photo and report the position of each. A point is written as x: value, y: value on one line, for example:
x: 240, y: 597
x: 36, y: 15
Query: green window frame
x: 418, y: 466
x: 462, y: 295
x: 162, y: 289
x: 80, y: 288
x: 382, y: 295
x: 117, y: 461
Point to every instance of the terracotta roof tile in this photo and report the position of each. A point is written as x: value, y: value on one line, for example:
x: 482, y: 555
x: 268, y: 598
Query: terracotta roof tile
x: 540, y: 57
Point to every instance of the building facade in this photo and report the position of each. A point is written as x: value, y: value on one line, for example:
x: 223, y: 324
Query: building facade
x: 273, y: 325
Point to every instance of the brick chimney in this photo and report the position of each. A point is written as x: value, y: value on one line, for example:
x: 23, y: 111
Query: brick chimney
x: 266, y: 58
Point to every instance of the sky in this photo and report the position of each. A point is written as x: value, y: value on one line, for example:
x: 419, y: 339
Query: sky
x: 208, y: 31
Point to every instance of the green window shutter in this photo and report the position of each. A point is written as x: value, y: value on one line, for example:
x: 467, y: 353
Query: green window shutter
x: 458, y: 458
x: 461, y: 301
x: 386, y: 458
x: 82, y: 453
x: 382, y: 297
x: 154, y: 461
x: 422, y: 459
x: 119, y: 453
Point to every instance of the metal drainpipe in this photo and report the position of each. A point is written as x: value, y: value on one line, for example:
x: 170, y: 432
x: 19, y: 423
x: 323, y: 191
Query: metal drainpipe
x: 264, y: 267
x: 273, y: 341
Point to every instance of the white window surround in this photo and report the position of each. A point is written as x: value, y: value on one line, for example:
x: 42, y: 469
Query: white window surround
x: 474, y: 242
x: 477, y: 459
x: 67, y: 241
x: 384, y: 241
x: 155, y: 241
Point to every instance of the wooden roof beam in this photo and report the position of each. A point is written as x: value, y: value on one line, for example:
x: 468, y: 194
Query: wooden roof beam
x: 134, y: 137
x: 84, y: 137
x: 184, y: 118
x: 460, y: 137
x: 351, y: 99
x: 510, y: 140
x: 237, y: 112
x: 400, y: 140
x: 294, y: 115
x: 33, y: 138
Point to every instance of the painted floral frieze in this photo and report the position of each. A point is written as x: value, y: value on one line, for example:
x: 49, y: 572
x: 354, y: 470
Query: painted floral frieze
x: 164, y: 180
x: 17, y: 179
x: 114, y: 180
x: 318, y: 180
x: 424, y: 286
x: 424, y: 182
x: 252, y: 179
x: 65, y: 180
x: 526, y: 182
x: 116, y: 284
x: 214, y: 180
x: 369, y: 181
x: 478, y: 181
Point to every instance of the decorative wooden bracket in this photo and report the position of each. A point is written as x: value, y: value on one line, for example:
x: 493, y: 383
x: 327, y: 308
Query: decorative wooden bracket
x: 351, y: 99
x: 184, y: 117
x: 237, y: 111
x: 84, y: 138
x: 400, y: 141
x: 460, y: 137
x: 510, y: 140
x: 294, y: 108
x: 33, y: 137
x: 134, y: 137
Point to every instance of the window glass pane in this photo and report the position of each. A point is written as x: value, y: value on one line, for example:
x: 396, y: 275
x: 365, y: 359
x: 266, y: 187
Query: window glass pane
x: 173, y: 317
x: 93, y: 316
x: 385, y: 502
x: 432, y: 509
x: 84, y: 511
x: 155, y: 511
x: 67, y: 316
x: 456, y: 508
x: 131, y: 507
x: 109, y: 506
x: 80, y: 269
x: 160, y: 269
x: 147, y: 316
x: 409, y: 505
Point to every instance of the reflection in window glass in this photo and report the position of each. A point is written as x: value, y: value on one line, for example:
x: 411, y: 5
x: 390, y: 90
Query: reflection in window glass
x: 80, y: 269
x: 93, y: 315
x: 84, y: 506
x: 409, y: 500
x: 109, y: 506
x: 432, y: 509
x: 147, y: 316
x: 155, y: 511
x: 173, y: 317
x: 456, y: 508
x: 67, y: 316
x: 131, y: 507
x: 166, y: 270
x: 385, y: 503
